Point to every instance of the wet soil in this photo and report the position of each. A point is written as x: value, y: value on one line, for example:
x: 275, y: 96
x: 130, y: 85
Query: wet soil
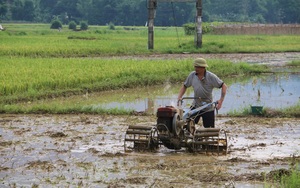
x: 274, y: 59
x: 88, y: 151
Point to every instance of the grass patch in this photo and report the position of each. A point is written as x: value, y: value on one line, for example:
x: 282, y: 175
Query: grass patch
x: 291, y: 180
x: 295, y: 63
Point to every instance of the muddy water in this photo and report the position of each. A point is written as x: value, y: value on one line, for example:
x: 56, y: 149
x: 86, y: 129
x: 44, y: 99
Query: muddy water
x: 87, y: 151
x: 273, y: 91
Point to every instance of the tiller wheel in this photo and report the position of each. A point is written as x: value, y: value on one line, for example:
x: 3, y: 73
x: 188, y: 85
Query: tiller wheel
x: 209, y: 140
x: 140, y: 138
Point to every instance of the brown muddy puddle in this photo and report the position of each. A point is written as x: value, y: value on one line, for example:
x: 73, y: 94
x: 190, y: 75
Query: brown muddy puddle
x: 87, y: 151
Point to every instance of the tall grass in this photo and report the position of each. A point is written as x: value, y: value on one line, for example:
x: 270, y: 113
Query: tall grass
x: 292, y: 180
x: 27, y: 78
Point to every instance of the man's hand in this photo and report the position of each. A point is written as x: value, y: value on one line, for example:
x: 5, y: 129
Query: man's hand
x: 179, y: 101
x: 181, y: 93
x: 219, y: 105
x: 223, y: 93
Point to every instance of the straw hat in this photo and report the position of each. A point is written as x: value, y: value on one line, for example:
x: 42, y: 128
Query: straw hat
x: 200, y: 62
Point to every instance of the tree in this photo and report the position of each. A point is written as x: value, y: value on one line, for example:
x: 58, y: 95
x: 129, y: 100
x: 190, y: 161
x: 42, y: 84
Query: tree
x: 72, y: 25
x: 29, y: 10
x: 134, y: 12
x: 84, y: 25
x: 3, y: 8
x: 56, y: 24
x: 109, y: 12
x: 67, y: 10
x: 45, y: 10
x: 126, y: 12
x: 290, y: 11
x: 84, y: 7
x: 273, y: 14
x: 17, y: 10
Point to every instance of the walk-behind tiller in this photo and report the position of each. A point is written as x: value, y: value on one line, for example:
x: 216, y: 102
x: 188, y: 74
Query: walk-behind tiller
x: 175, y: 129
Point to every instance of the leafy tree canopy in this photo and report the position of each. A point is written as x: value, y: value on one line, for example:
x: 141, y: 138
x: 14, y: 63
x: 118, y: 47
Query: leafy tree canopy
x: 135, y: 12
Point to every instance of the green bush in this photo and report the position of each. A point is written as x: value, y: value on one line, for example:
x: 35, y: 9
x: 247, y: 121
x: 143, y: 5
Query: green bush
x: 111, y: 26
x: 190, y: 28
x: 56, y: 24
x: 206, y: 29
x: 72, y: 25
x: 83, y: 25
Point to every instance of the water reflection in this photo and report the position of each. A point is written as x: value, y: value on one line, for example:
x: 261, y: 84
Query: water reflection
x: 274, y: 91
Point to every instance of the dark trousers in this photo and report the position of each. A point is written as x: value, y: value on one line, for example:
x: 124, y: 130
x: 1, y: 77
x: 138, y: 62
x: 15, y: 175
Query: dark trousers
x: 208, y: 119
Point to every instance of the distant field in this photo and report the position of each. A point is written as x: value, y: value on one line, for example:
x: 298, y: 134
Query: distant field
x: 38, y: 40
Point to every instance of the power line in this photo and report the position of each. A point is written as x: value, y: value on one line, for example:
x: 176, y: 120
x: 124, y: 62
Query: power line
x: 175, y: 24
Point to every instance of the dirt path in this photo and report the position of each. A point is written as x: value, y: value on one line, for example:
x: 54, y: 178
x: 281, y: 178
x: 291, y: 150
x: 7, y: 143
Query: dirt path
x: 266, y: 58
x: 87, y: 151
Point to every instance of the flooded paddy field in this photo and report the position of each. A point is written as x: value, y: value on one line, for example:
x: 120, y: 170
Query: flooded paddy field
x: 79, y: 150
x: 88, y: 151
x: 276, y: 90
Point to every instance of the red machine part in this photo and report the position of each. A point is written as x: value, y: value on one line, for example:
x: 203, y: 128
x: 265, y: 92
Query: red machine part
x: 168, y: 111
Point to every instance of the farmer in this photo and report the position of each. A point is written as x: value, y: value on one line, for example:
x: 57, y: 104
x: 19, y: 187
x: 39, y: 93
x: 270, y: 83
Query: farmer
x: 203, y: 83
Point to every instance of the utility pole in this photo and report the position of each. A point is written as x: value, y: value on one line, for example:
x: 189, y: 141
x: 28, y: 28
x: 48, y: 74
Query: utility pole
x: 151, y: 14
x: 198, y: 36
x: 152, y: 4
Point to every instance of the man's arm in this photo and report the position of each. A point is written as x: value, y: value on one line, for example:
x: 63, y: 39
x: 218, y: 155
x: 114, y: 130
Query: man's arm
x: 223, y: 93
x: 181, y: 93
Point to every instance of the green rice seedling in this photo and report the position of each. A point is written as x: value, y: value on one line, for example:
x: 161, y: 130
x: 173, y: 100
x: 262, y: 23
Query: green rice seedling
x: 28, y: 80
x: 291, y: 181
x: 38, y: 77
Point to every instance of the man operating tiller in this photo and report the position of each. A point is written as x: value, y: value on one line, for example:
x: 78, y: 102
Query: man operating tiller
x: 203, y: 83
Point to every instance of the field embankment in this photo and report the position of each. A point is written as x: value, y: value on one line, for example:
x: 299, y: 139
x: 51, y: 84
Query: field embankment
x: 257, y: 29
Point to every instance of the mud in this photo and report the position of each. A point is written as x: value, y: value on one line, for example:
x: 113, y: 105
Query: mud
x: 274, y: 59
x: 87, y: 151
